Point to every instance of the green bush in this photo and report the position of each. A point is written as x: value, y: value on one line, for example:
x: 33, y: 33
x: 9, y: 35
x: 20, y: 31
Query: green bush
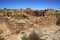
x: 1, y: 38
x: 58, y: 22
x: 58, y: 18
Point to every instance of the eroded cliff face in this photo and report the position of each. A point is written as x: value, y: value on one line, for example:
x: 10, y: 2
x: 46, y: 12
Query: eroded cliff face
x: 27, y: 23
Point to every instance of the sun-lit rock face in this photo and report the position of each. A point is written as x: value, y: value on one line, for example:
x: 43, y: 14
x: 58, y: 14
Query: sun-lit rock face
x: 45, y: 17
x: 50, y: 14
x: 28, y: 22
x: 26, y: 19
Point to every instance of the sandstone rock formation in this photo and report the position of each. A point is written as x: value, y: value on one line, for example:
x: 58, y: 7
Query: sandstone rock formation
x: 27, y: 23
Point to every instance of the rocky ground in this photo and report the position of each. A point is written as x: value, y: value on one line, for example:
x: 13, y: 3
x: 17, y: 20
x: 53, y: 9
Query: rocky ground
x: 29, y: 24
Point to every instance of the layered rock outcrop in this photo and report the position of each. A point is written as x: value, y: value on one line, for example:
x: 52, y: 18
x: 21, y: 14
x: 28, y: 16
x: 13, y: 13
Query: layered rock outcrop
x: 27, y: 23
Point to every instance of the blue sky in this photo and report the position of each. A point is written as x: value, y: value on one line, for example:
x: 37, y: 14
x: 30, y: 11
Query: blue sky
x: 34, y: 4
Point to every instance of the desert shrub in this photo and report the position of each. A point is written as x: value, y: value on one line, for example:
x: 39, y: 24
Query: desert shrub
x: 1, y: 31
x: 58, y: 22
x: 18, y: 17
x: 58, y: 18
x: 24, y: 37
x: 1, y: 38
x: 17, y: 32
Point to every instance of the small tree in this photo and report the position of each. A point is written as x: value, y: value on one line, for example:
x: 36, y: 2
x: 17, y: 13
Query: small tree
x: 21, y: 9
x: 5, y: 8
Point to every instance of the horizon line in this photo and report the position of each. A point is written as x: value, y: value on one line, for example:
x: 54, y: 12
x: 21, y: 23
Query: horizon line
x: 31, y: 8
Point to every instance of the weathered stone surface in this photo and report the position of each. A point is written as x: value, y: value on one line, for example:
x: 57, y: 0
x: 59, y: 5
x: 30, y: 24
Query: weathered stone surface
x: 26, y: 22
x: 45, y: 33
